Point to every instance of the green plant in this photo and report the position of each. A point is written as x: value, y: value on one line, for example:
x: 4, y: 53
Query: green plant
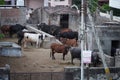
x: 77, y: 2
x: 2, y: 2
x: 2, y: 36
x: 105, y: 8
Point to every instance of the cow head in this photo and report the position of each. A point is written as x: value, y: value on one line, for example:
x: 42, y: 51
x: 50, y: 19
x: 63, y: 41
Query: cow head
x: 40, y: 26
x: 67, y: 48
x: 43, y: 36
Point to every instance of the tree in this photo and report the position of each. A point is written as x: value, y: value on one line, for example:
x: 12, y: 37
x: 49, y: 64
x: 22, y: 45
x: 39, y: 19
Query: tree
x: 92, y: 4
x: 77, y: 2
x: 106, y: 7
x: 2, y: 2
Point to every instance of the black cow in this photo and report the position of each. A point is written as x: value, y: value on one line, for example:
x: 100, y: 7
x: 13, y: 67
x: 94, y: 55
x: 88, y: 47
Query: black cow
x: 69, y: 35
x: 44, y: 27
x: 50, y: 29
x: 76, y: 53
x: 15, y: 28
x: 95, y: 59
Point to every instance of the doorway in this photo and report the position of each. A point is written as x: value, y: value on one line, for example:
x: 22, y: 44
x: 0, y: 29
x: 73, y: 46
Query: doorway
x: 114, y: 45
x: 64, y: 20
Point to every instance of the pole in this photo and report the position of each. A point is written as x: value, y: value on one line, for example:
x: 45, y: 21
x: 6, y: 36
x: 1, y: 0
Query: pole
x: 87, y: 70
x: 82, y: 38
x: 107, y: 71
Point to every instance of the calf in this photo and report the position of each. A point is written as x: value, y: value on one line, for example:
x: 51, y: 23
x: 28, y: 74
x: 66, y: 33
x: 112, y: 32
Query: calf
x: 20, y: 35
x: 76, y: 53
x: 59, y: 48
x: 32, y: 37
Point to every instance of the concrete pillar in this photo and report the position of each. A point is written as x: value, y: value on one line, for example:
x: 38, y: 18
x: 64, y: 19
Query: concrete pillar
x: 12, y: 2
x: 117, y: 58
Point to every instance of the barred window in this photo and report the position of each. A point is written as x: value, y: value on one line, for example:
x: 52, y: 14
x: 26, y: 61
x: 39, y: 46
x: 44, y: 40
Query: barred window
x: 7, y: 2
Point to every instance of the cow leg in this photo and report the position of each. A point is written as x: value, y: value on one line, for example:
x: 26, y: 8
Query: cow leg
x: 94, y: 64
x: 53, y: 57
x: 63, y: 56
x: 19, y: 41
x: 37, y: 44
x: 72, y: 60
x: 25, y: 44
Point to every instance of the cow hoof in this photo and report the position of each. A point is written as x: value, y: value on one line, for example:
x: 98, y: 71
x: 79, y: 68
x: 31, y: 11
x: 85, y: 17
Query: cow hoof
x: 53, y: 58
x: 72, y: 63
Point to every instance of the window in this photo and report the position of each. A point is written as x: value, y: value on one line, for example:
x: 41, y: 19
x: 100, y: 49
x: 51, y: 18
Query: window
x: 7, y: 2
x: 59, y: 0
x: 14, y: 2
x: 20, y: 2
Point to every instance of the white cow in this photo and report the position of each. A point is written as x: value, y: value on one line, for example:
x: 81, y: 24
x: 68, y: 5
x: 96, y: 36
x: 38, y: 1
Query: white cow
x: 33, y: 37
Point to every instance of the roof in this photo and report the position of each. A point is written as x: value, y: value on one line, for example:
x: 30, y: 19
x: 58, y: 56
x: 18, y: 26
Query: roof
x: 115, y: 18
x: 104, y: 18
x: 60, y: 10
x: 103, y: 0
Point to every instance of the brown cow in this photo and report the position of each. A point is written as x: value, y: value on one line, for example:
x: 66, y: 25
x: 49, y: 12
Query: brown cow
x: 69, y: 42
x: 58, y: 48
x: 5, y: 29
x: 65, y: 30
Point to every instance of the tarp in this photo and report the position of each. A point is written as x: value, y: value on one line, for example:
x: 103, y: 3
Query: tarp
x: 114, y: 3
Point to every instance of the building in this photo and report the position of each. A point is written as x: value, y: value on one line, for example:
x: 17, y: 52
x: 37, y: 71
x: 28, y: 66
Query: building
x: 54, y: 12
x: 47, y: 3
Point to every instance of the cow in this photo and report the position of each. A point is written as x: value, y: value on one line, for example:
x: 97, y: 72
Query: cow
x: 44, y: 27
x: 76, y: 53
x: 69, y: 35
x: 53, y: 29
x: 58, y: 32
x: 15, y: 28
x: 50, y: 29
x: 69, y: 42
x: 20, y: 35
x: 65, y: 30
x: 5, y: 29
x: 58, y: 48
x: 33, y: 38
x: 95, y: 59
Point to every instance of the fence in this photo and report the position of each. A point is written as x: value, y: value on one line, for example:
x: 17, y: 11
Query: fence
x: 38, y: 76
x: 70, y: 73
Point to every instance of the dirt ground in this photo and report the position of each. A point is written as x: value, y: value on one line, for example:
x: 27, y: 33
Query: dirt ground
x: 36, y: 60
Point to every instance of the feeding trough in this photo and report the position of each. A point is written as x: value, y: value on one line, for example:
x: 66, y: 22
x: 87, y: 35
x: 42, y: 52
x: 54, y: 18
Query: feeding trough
x: 10, y: 49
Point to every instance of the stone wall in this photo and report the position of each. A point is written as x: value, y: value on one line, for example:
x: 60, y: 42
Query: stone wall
x: 107, y: 34
x: 41, y: 16
x: 94, y: 73
x: 13, y: 16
